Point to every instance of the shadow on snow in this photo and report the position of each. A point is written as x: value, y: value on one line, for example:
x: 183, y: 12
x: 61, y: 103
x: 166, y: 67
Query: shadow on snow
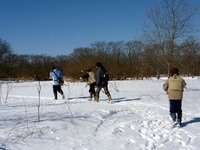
x: 194, y: 120
x: 114, y: 100
x: 80, y: 97
x: 192, y: 89
x: 124, y: 99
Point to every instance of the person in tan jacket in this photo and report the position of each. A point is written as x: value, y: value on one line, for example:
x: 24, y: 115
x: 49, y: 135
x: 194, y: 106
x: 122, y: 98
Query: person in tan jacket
x: 90, y: 76
x: 174, y: 86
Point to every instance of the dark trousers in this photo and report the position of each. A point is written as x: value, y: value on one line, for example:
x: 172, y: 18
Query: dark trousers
x: 92, y: 90
x: 57, y: 88
x: 176, y: 109
x: 105, y: 87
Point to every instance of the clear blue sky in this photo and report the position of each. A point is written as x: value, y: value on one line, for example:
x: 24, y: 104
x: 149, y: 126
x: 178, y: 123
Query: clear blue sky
x: 57, y: 27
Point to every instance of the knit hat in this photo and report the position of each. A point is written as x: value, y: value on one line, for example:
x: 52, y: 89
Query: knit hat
x: 174, y: 71
x: 53, y: 67
x: 88, y: 70
x: 98, y: 64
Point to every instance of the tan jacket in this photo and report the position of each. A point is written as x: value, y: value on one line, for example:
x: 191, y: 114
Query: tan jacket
x: 174, y: 87
x: 91, y: 78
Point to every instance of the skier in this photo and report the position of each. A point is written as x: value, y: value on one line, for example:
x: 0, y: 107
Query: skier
x: 174, y: 87
x: 90, y: 76
x: 102, y: 81
x: 55, y: 74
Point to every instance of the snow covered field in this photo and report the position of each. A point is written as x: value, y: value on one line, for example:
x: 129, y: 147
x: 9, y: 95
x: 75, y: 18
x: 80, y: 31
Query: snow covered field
x: 138, y: 119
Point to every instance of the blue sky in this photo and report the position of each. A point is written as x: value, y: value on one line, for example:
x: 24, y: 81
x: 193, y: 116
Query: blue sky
x: 57, y: 27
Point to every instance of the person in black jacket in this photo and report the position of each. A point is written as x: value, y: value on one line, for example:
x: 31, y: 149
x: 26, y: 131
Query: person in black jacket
x: 102, y: 81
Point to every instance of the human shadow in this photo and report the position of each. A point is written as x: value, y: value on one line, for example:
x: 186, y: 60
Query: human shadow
x: 194, y: 120
x: 123, y: 99
x: 114, y: 100
x: 193, y: 89
x: 80, y: 97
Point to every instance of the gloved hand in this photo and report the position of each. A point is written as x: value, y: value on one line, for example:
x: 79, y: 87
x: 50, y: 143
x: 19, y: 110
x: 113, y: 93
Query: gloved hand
x: 81, y: 79
x: 97, y: 85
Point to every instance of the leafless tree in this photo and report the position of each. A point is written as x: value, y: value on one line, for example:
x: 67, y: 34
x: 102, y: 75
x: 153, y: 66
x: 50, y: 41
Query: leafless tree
x: 1, y: 91
x: 169, y: 24
x: 5, y: 51
x: 8, y: 89
x: 39, y: 101
x: 190, y: 50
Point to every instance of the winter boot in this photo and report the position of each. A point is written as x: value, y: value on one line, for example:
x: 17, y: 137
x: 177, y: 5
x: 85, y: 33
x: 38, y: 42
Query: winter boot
x: 179, y: 118
x: 90, y: 99
x: 93, y: 96
x: 173, y: 116
x: 97, y: 98
x: 109, y: 99
x: 55, y: 96
x: 63, y: 96
x: 179, y: 121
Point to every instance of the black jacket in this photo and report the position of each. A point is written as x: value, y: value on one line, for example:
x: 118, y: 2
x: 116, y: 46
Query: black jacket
x: 100, y: 76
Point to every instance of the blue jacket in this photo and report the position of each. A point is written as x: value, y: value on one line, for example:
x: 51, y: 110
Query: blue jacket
x: 55, y: 77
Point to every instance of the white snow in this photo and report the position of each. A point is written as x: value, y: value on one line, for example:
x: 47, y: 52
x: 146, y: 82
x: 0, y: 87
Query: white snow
x: 138, y: 119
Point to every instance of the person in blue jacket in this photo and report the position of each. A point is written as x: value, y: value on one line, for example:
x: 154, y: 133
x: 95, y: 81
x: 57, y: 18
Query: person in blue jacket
x: 55, y: 74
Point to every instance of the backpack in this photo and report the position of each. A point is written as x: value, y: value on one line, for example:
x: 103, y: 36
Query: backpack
x: 106, y: 75
x: 60, y: 80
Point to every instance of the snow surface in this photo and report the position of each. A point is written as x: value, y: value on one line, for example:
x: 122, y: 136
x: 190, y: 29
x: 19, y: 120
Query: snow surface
x: 138, y: 119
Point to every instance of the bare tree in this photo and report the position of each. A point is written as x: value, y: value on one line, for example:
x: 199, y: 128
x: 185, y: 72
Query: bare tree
x: 8, y: 89
x: 169, y: 24
x: 5, y: 51
x: 190, y: 50
x: 1, y: 91
x: 134, y: 51
x: 39, y: 100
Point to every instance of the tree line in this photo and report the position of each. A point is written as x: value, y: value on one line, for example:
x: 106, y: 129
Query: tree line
x: 133, y: 59
x: 167, y: 41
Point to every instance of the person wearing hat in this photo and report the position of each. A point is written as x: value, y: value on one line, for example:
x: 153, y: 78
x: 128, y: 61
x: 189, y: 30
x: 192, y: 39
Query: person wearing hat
x: 55, y: 74
x: 174, y: 87
x: 102, y: 79
x: 90, y: 76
